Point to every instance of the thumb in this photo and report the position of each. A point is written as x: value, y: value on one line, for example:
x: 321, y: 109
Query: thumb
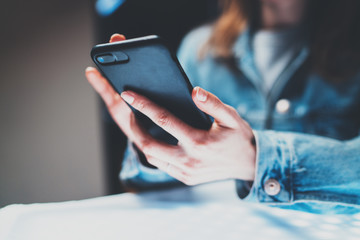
x: 117, y: 38
x: 223, y: 114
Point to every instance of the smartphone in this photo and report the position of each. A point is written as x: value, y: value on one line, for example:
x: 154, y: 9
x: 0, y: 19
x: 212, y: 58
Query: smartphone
x: 146, y: 66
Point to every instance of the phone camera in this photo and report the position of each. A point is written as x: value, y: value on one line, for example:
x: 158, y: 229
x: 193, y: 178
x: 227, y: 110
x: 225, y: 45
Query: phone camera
x: 106, y: 59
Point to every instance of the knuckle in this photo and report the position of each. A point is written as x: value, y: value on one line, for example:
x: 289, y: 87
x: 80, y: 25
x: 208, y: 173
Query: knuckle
x: 232, y: 111
x: 108, y: 99
x: 145, y: 145
x: 118, y: 118
x: 190, y: 182
x: 146, y: 148
x: 132, y: 124
x: 187, y: 179
x: 132, y: 120
x: 163, y: 119
x: 114, y: 108
x: 216, y: 106
x: 151, y: 160
x: 216, y: 103
x: 141, y: 105
x: 181, y: 155
x: 192, y: 165
x: 119, y: 111
x: 234, y: 115
x: 188, y: 176
x: 199, y: 140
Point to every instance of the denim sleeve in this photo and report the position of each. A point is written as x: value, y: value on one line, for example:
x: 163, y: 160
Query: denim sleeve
x: 296, y: 169
x: 135, y: 176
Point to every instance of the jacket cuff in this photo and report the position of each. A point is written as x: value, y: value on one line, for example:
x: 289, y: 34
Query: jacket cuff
x: 273, y: 183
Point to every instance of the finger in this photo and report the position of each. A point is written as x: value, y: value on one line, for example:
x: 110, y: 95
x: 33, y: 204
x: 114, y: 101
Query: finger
x: 174, y: 155
x: 170, y: 169
x: 136, y: 133
x: 223, y: 114
x: 101, y: 86
x: 118, y: 109
x: 161, y: 117
x: 123, y: 116
x: 117, y: 38
x: 163, y: 151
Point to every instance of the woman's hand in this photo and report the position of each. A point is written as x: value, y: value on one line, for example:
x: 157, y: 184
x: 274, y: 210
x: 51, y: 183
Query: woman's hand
x: 225, y: 151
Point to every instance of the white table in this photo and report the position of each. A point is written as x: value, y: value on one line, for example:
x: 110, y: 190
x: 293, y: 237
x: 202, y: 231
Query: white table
x: 211, y: 211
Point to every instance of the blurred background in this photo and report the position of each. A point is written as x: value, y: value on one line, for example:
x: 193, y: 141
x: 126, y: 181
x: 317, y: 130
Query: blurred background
x: 50, y: 147
x: 57, y: 142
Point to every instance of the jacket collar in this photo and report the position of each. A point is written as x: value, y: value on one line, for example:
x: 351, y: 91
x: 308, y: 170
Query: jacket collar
x: 244, y: 58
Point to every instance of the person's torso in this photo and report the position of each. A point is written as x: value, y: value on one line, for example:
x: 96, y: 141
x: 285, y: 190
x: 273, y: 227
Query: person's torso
x: 299, y: 100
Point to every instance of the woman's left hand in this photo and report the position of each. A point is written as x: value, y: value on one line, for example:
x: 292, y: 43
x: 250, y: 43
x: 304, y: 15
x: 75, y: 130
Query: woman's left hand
x: 223, y: 152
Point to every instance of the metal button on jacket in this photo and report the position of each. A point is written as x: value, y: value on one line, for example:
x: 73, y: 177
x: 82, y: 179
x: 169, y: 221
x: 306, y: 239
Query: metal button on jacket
x: 282, y: 106
x: 272, y: 187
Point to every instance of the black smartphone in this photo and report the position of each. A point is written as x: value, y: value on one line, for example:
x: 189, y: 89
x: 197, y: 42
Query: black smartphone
x: 146, y: 66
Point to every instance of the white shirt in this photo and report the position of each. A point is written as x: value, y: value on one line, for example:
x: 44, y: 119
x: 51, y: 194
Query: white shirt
x: 273, y: 51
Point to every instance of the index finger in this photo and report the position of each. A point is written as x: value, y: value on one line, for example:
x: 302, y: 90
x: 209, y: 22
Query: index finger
x: 118, y: 109
x: 100, y: 84
x: 162, y: 117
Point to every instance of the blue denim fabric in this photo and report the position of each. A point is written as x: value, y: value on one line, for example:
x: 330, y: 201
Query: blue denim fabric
x: 138, y: 177
x: 312, y: 150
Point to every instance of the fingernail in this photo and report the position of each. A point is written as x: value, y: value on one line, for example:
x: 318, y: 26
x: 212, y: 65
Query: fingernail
x: 89, y: 73
x: 89, y: 69
x: 201, y: 95
x: 127, y: 97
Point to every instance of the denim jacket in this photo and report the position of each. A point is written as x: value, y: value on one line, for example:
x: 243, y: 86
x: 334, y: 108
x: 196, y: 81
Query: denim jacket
x: 306, y: 128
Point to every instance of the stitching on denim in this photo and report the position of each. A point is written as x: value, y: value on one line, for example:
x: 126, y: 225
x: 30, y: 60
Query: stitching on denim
x: 285, y: 149
x: 292, y: 159
x: 256, y: 179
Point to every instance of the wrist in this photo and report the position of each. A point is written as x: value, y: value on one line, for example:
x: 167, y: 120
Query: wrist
x: 246, y: 166
x: 252, y: 158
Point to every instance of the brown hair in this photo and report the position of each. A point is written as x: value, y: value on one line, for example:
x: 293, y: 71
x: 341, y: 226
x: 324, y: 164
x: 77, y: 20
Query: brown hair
x: 333, y: 27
